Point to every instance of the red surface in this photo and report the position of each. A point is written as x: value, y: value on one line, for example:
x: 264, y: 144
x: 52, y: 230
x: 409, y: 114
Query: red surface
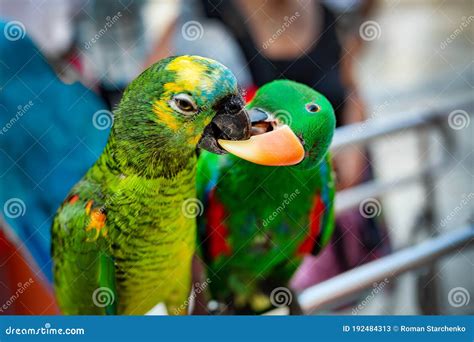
x: 22, y: 291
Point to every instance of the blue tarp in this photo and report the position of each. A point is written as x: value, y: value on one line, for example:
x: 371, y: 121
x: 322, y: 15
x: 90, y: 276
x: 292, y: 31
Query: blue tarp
x: 47, y: 141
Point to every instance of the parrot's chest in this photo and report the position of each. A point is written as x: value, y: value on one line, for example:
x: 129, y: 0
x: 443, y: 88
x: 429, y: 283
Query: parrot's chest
x: 279, y: 219
x: 153, y: 242
x: 272, y: 211
x: 275, y: 219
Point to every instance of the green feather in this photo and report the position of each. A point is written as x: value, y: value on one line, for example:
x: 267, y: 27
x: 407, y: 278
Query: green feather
x: 107, y: 279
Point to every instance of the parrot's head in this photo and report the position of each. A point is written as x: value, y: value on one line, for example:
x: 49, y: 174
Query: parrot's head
x: 292, y: 124
x: 181, y: 103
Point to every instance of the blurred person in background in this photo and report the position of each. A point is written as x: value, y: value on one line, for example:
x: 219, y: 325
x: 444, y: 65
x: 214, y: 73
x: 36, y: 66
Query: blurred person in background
x: 114, y: 39
x: 306, y: 42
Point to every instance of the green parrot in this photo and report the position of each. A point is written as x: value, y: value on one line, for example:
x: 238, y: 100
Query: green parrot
x: 123, y: 239
x: 259, y: 221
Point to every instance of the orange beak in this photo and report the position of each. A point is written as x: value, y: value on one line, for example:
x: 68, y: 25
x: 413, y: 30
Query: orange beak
x: 280, y: 147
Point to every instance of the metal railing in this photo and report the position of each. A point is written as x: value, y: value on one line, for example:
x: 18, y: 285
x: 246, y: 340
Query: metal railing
x: 428, y: 114
x: 332, y: 292
x: 365, y: 132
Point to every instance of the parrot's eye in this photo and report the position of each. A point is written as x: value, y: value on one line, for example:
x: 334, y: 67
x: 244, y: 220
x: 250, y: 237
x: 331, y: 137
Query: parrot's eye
x: 184, y: 104
x: 312, y: 107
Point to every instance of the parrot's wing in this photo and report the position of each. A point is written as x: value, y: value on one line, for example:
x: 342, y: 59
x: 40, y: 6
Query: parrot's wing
x: 321, y: 216
x: 326, y: 198
x: 83, y: 268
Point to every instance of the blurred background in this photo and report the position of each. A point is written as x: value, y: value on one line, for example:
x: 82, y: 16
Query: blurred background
x: 65, y: 63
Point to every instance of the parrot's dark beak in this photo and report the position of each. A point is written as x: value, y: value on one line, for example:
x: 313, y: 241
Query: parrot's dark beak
x: 231, y: 123
x: 271, y: 143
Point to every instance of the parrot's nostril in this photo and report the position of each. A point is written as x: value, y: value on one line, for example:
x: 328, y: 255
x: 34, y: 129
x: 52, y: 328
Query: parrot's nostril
x: 300, y: 136
x: 231, y: 104
x: 234, y: 107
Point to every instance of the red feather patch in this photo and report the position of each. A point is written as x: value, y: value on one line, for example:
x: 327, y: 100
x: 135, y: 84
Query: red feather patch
x: 314, y: 226
x: 250, y: 93
x: 216, y: 229
x: 73, y: 199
